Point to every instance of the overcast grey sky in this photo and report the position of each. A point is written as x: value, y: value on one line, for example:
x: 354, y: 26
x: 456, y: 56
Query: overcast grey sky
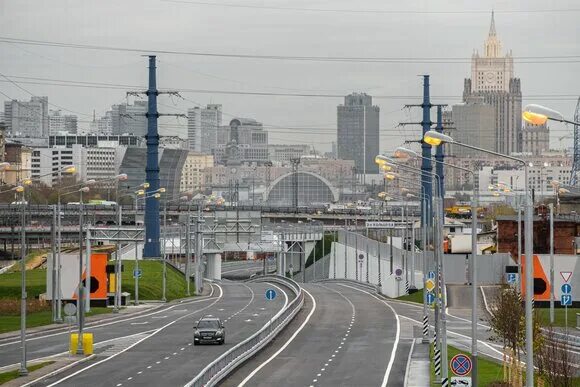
x: 156, y: 24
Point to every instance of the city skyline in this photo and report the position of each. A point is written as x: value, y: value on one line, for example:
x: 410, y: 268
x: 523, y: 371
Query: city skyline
x: 312, y: 118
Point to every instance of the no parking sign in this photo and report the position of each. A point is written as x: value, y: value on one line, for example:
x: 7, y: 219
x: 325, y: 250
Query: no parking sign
x: 460, y: 364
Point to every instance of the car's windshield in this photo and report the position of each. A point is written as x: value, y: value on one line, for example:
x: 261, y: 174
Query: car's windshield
x: 214, y: 324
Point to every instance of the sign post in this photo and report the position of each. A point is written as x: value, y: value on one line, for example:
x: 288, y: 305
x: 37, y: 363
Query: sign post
x: 270, y: 296
x: 566, y: 297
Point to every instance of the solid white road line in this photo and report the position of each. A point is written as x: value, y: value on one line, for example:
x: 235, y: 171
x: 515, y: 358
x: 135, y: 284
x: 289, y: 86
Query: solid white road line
x: 397, y: 335
x: 408, y: 368
x: 139, y: 341
x: 286, y: 344
x: 208, y: 298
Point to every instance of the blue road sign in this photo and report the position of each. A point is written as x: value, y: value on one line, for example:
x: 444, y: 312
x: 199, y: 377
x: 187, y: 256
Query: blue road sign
x: 566, y: 300
x: 461, y: 365
x: 270, y: 294
x: 566, y: 288
x: 430, y: 298
x: 512, y: 278
x: 431, y: 275
x: 137, y: 273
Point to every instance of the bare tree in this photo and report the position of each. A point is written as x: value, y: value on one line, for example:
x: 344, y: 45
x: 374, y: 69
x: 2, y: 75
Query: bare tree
x: 555, y: 361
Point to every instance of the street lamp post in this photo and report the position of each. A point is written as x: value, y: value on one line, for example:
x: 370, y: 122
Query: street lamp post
x: 23, y: 371
x: 403, y: 153
x: 164, y: 276
x: 435, y: 138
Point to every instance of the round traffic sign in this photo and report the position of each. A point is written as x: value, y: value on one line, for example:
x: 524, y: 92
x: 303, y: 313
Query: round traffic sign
x: 398, y: 272
x: 361, y: 257
x: 460, y: 364
x: 70, y: 309
x: 566, y: 288
x: 270, y: 294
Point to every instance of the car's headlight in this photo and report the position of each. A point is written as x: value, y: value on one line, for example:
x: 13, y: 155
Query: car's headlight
x: 196, y: 334
x: 218, y: 333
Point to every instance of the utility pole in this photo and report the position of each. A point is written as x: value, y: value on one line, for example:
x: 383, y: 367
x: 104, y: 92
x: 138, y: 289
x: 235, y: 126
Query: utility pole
x: 295, y: 162
x: 152, y: 248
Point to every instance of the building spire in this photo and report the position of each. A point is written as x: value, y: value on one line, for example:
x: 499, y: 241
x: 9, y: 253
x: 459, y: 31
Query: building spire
x: 492, y: 26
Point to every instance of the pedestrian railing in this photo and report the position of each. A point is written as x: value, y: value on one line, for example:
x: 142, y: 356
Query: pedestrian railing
x: 228, y: 361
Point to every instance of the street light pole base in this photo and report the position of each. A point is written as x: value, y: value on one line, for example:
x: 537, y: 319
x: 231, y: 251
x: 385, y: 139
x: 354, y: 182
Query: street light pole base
x: 58, y: 321
x: 116, y: 310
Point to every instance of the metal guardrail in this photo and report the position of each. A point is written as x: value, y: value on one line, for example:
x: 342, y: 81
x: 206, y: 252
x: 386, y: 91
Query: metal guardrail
x: 228, y: 361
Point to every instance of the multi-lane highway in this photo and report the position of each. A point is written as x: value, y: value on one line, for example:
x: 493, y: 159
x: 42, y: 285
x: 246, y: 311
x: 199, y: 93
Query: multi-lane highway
x: 343, y: 337
x: 157, y: 348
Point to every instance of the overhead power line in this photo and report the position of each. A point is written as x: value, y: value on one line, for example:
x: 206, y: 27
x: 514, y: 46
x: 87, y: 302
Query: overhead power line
x: 368, y: 11
x: 443, y: 60
x: 116, y: 86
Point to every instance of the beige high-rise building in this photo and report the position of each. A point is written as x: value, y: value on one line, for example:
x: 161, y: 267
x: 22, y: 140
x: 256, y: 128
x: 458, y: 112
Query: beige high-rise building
x: 192, y: 174
x: 493, y: 79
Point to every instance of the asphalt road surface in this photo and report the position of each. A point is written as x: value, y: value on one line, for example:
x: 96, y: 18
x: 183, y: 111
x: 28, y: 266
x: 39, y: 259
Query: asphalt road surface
x: 343, y: 337
x: 160, y: 351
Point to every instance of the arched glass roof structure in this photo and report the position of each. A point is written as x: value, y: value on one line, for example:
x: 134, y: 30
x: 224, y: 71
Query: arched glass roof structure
x: 310, y: 187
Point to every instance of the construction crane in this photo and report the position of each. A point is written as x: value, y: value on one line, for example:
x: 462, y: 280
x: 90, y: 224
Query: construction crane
x: 576, y: 160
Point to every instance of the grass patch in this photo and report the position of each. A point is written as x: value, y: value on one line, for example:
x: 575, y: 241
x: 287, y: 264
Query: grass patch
x: 559, y: 316
x: 151, y: 281
x: 5, y: 377
x: 414, y: 297
x: 35, y: 283
x: 489, y: 371
x: 36, y: 319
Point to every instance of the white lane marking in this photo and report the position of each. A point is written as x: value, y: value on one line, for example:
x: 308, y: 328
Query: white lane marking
x: 139, y: 373
x: 90, y: 325
x: 148, y: 367
x: 129, y: 378
x: 157, y: 362
x: 174, y: 353
x: 248, y: 320
x: 166, y: 357
x: 286, y: 344
x: 140, y: 323
x: 71, y: 365
x: 397, y: 335
x: 139, y: 341
x: 408, y: 368
x: 156, y: 317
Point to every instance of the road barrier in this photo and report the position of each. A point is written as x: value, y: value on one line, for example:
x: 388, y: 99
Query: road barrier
x: 228, y: 361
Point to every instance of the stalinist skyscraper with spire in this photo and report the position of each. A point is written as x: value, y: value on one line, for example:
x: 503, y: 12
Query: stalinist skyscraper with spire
x: 492, y: 79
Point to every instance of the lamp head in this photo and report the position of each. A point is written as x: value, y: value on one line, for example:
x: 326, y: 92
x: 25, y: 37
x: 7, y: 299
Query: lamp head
x: 157, y: 195
x: 404, y: 153
x: 122, y: 177
x: 386, y: 167
x: 145, y: 185
x: 84, y: 189
x: 69, y: 169
x: 140, y: 192
x: 563, y: 191
x: 4, y: 166
x: 435, y: 138
x: 538, y: 114
x: 19, y: 189
x: 90, y: 182
x: 161, y: 190
x: 379, y: 160
x: 391, y: 175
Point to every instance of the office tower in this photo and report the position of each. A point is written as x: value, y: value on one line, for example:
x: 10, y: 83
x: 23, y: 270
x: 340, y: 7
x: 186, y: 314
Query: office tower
x: 358, y: 132
x: 492, y: 77
x: 202, y: 124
